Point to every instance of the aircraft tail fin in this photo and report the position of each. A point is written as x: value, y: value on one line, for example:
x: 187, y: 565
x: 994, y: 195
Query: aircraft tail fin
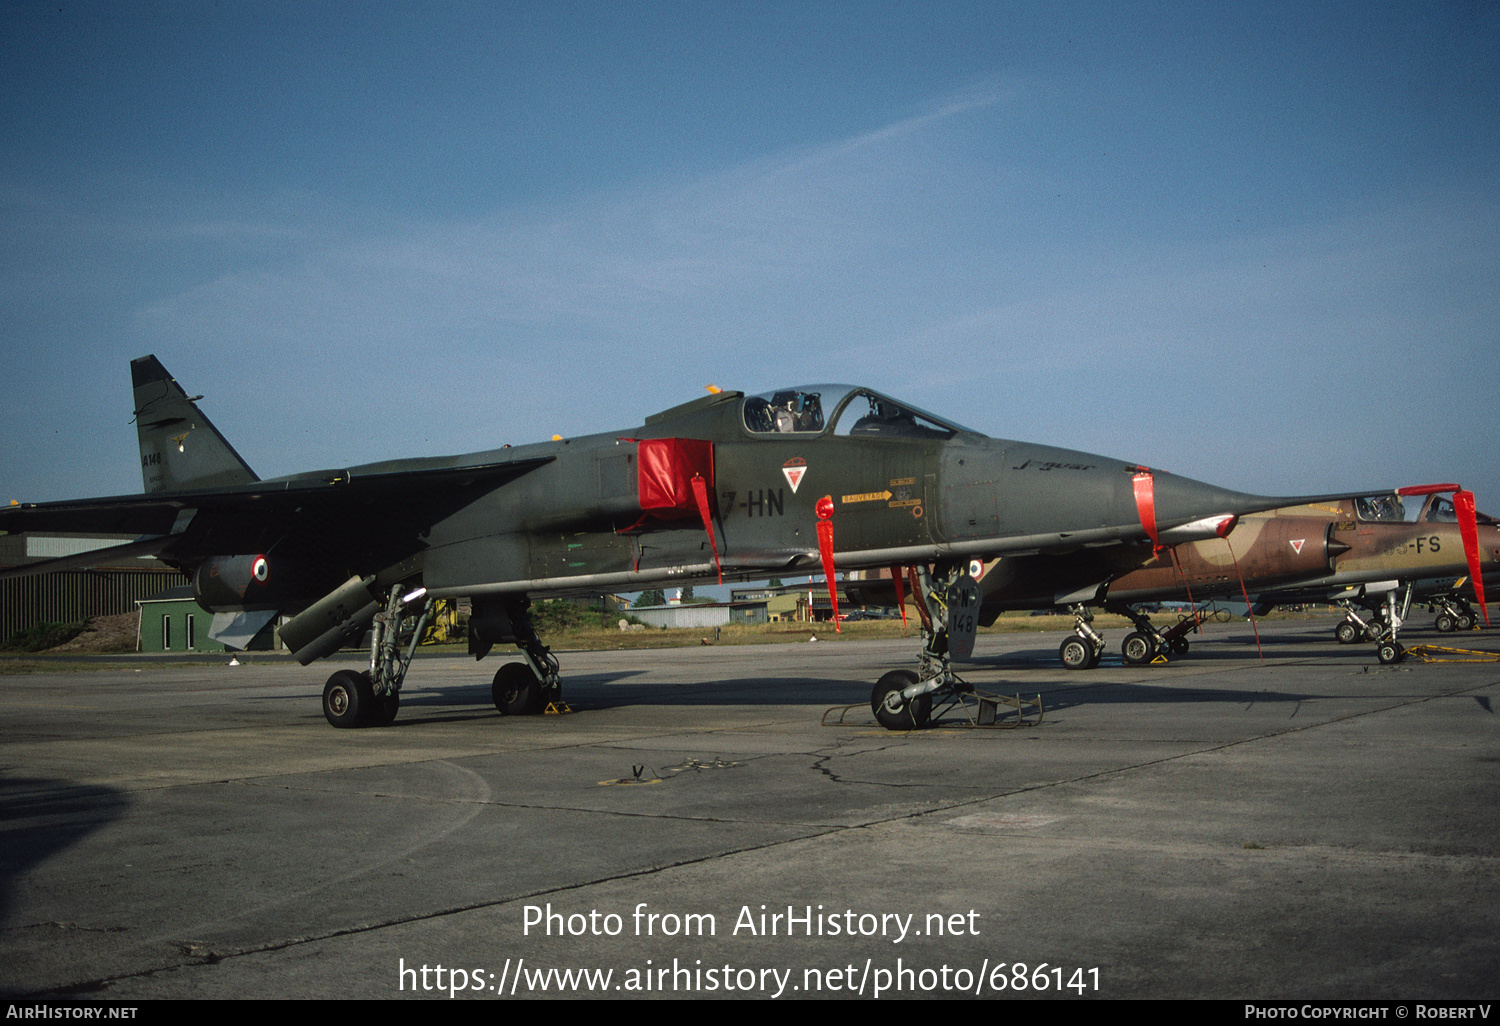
x: 180, y: 447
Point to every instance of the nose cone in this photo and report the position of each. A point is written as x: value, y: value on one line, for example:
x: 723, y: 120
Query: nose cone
x: 1057, y: 497
x: 1182, y: 498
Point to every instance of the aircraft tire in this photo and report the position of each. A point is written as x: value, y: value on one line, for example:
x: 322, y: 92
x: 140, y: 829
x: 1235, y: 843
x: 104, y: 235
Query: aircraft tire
x: 1137, y: 648
x: 1076, y: 653
x: 1466, y: 621
x: 346, y: 698
x: 516, y: 690
x: 912, y: 716
x: 382, y: 709
x: 1347, y: 632
x: 1389, y: 652
x: 1097, y: 657
x: 1445, y: 623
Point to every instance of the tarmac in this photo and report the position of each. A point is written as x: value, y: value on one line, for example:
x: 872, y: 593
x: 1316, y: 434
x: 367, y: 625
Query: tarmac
x: 1303, y: 824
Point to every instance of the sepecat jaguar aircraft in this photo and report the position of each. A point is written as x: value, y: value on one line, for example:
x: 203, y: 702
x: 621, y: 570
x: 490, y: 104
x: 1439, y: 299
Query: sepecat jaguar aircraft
x: 729, y: 486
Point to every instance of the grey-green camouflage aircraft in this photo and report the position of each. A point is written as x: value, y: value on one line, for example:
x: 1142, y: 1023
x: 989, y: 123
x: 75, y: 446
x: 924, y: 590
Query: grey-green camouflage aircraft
x: 730, y: 486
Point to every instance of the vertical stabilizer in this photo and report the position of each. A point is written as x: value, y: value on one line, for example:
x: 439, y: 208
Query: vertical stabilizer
x: 180, y: 447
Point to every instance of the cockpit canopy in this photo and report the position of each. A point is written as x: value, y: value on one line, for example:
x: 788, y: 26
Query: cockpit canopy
x: 1438, y: 509
x: 784, y: 412
x: 1381, y: 508
x: 852, y: 411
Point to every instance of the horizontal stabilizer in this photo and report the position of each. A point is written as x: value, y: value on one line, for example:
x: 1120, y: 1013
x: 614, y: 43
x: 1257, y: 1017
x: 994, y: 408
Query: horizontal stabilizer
x: 94, y: 557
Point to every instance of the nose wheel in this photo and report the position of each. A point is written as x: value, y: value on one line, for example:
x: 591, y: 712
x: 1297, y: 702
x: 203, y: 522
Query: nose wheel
x: 891, y: 710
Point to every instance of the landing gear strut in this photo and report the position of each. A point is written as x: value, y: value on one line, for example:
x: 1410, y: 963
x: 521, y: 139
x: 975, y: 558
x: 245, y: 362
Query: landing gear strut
x: 1453, y: 614
x: 372, y: 697
x: 948, y: 603
x: 1146, y: 644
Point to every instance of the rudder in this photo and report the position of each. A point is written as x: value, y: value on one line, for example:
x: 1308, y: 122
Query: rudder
x: 180, y: 447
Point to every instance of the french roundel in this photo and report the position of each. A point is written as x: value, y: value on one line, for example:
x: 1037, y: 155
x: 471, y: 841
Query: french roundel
x: 260, y: 569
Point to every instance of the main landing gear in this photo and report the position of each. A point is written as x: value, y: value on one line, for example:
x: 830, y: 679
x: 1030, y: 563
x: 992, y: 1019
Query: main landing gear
x: 371, y: 698
x: 1085, y: 648
x: 1146, y: 644
x: 948, y: 605
x: 1453, y: 614
x: 519, y: 689
x: 1150, y: 644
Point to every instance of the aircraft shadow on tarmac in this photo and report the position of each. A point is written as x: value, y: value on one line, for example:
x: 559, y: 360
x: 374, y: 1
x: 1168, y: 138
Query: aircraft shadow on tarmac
x: 620, y: 690
x: 40, y: 818
x: 599, y: 692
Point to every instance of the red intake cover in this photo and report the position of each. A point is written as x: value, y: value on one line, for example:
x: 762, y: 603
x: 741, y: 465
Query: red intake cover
x: 667, y: 468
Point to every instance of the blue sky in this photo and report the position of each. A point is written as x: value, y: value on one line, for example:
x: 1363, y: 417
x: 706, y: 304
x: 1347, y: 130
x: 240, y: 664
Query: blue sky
x: 1255, y: 244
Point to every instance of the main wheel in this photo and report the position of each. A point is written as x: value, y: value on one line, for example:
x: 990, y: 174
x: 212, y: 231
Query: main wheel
x: 911, y: 716
x: 1076, y: 653
x: 1138, y: 648
x: 383, y: 709
x: 347, y: 699
x: 1466, y: 621
x: 1348, y: 632
x: 1446, y: 623
x: 1389, y: 652
x: 516, y: 690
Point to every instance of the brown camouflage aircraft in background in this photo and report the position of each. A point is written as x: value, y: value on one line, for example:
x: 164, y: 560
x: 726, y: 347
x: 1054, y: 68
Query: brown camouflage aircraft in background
x: 1380, y: 552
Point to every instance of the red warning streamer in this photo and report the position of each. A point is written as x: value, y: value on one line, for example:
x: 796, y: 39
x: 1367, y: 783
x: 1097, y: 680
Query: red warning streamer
x: 896, y: 574
x: 1468, y: 527
x: 1177, y: 564
x: 700, y: 493
x: 1468, y: 530
x: 1249, y: 610
x: 1145, y: 504
x: 915, y: 581
x: 824, y: 509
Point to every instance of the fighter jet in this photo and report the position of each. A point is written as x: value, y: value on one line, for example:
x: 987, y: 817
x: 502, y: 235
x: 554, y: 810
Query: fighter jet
x: 730, y: 487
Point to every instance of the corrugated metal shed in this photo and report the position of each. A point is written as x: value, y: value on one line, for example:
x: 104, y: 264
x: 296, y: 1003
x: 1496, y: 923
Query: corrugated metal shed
x: 700, y: 614
x: 72, y: 595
